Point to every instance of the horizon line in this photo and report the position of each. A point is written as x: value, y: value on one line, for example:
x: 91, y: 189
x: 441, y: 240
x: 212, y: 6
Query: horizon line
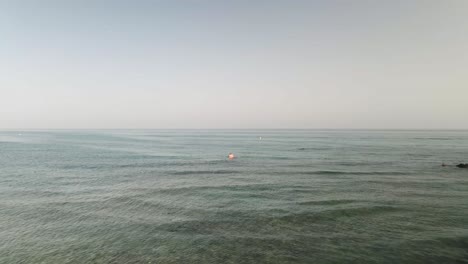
x: 353, y: 129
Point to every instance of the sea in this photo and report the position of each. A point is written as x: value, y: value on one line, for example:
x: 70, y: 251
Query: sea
x: 289, y: 196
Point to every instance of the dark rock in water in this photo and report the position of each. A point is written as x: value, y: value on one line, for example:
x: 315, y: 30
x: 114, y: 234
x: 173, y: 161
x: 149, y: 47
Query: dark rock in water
x: 461, y: 165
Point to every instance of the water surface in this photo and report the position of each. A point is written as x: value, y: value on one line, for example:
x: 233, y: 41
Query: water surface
x: 171, y: 196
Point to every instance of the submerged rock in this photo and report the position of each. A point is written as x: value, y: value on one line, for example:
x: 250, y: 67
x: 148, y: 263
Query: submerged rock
x: 462, y: 165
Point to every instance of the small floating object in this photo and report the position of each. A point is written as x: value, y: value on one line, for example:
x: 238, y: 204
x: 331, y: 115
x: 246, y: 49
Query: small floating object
x: 231, y: 156
x: 463, y: 165
x: 259, y: 138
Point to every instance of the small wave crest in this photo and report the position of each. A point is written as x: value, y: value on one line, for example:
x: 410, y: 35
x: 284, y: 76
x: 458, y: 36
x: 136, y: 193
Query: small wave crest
x: 197, y: 172
x: 328, y: 202
x: 332, y: 172
x: 434, y: 138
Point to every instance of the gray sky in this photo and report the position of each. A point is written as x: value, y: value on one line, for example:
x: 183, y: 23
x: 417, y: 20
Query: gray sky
x: 234, y: 64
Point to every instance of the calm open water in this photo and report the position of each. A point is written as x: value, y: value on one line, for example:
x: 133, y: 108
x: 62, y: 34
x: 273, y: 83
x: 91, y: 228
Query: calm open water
x: 171, y: 196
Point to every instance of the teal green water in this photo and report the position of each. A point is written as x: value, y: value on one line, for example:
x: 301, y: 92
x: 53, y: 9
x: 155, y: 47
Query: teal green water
x: 155, y: 196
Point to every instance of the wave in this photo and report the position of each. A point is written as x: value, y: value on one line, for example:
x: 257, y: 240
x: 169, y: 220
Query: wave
x: 328, y: 202
x: 209, y: 188
x: 313, y: 148
x: 166, y: 163
x: 329, y: 172
x: 437, y: 138
x: 341, y: 163
x: 254, y: 222
x: 82, y: 166
x: 332, y: 172
x: 196, y: 172
x: 362, y: 163
x: 342, y: 212
x: 118, y: 166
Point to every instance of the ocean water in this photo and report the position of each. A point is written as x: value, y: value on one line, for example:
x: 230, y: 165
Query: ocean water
x: 293, y: 196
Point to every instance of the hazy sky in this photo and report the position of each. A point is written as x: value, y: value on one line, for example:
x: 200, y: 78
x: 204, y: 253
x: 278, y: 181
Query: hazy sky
x: 234, y: 64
